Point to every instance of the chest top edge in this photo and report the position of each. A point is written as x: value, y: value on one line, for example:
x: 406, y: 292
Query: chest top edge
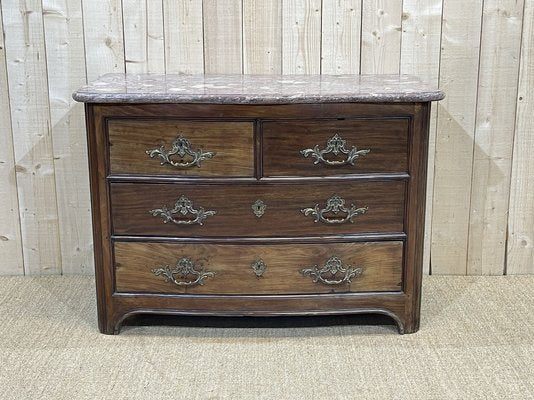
x: 256, y: 89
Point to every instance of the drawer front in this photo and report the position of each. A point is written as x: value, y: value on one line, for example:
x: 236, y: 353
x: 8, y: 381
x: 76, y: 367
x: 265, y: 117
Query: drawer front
x: 258, y: 269
x: 181, y: 148
x: 326, y: 147
x: 257, y: 210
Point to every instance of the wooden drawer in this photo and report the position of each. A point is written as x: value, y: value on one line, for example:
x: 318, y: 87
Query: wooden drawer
x: 227, y: 269
x: 332, y: 147
x: 227, y: 210
x: 205, y: 148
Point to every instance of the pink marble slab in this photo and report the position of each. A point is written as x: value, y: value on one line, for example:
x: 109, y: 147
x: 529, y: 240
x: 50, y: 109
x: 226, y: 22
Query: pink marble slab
x: 256, y: 89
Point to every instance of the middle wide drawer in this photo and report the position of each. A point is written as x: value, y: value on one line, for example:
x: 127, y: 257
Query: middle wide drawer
x: 257, y: 210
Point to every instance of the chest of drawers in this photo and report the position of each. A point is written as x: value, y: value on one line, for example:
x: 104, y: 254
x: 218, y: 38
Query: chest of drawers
x: 263, y: 196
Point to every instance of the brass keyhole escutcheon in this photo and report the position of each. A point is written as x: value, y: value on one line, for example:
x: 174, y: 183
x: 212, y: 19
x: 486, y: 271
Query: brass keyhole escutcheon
x: 258, y: 267
x: 258, y: 208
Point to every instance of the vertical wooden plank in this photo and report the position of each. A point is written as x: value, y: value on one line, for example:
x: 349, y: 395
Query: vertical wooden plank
x: 10, y: 240
x: 184, y: 42
x: 143, y: 36
x: 223, y: 37
x: 28, y: 90
x: 134, y: 14
x: 66, y: 72
x: 420, y: 52
x: 520, y: 256
x: 104, y: 46
x: 301, y: 37
x: 262, y: 36
x: 460, y: 46
x: 341, y: 29
x: 155, y: 37
x: 494, y: 136
x: 381, y: 36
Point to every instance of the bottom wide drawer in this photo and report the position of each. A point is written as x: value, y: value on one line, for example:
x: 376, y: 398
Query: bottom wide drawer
x: 258, y: 269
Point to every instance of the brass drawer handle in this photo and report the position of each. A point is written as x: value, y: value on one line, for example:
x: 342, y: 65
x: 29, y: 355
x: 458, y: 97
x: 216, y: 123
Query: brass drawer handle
x: 334, y: 205
x: 182, y: 148
x: 333, y: 267
x: 182, y: 207
x: 335, y: 145
x: 183, y: 269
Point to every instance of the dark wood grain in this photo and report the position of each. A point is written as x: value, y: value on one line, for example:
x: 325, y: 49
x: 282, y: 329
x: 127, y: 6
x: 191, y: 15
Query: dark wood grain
x: 131, y: 204
x: 381, y: 263
x: 415, y: 216
x: 216, y: 112
x: 316, y: 239
x: 403, y: 305
x: 387, y: 141
x: 232, y: 143
x: 101, y: 221
x: 126, y: 305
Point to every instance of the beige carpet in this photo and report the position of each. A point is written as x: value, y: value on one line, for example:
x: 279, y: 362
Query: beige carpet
x: 476, y: 342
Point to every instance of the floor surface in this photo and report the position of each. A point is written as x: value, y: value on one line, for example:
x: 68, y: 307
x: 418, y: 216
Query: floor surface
x: 476, y: 342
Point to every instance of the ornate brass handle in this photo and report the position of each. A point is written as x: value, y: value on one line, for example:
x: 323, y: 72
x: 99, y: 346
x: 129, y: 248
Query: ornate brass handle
x: 333, y: 267
x: 182, y: 148
x: 183, y: 269
x: 334, y: 205
x: 183, y: 206
x: 335, y: 145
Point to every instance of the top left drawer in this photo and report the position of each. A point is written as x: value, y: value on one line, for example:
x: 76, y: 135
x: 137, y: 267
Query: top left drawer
x: 193, y: 148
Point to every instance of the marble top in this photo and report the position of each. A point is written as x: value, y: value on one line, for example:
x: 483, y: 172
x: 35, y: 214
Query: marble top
x: 255, y: 89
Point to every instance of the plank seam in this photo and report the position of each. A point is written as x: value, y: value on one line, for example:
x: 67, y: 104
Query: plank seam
x: 435, y: 147
x: 435, y: 135
x: 361, y: 38
x: 475, y: 116
x: 518, y: 94
x: 281, y: 8
x: 84, y: 47
x: 401, y: 35
x: 13, y: 146
x: 321, y: 39
x: 50, y: 132
x: 242, y: 39
x: 164, y: 36
x: 123, y: 36
x: 146, y: 38
x: 203, y: 38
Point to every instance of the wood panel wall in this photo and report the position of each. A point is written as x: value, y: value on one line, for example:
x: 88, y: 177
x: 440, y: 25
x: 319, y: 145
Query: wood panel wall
x: 480, y: 208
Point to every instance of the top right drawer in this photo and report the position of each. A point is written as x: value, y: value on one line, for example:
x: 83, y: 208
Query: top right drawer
x: 335, y: 147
